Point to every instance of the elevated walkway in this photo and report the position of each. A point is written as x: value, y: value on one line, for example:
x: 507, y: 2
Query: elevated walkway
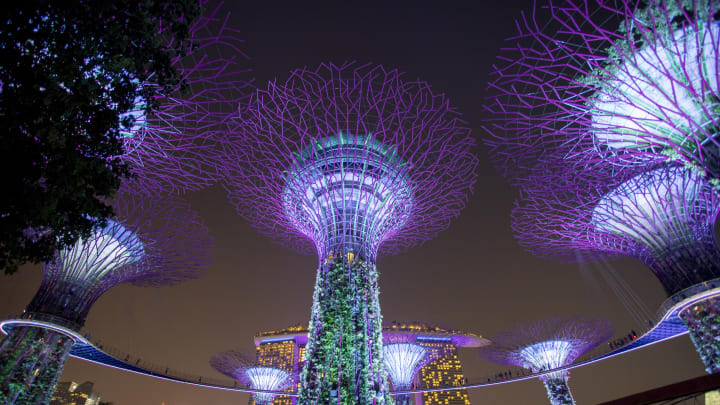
x: 668, y: 326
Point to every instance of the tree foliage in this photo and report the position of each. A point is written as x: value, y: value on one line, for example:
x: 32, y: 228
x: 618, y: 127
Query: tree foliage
x: 71, y: 74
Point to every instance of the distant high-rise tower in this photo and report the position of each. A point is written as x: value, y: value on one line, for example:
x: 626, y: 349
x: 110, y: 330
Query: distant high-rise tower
x: 285, y: 349
x: 72, y: 393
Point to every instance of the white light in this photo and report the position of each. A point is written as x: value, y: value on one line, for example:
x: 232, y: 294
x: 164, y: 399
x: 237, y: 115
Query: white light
x: 105, y: 250
x: 266, y: 378
x: 659, y: 95
x: 648, y: 208
x: 546, y: 355
x: 402, y: 361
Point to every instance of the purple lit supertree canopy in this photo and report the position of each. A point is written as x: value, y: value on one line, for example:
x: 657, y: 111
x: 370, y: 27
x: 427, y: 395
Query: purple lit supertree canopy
x: 175, y: 148
x: 349, y: 161
x: 663, y: 217
x: 636, y: 81
x: 153, y: 241
x: 547, y: 345
x: 606, y: 117
x: 238, y: 367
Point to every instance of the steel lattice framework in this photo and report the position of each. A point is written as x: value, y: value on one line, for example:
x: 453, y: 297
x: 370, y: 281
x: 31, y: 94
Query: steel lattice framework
x: 634, y: 81
x: 153, y: 241
x: 238, y: 367
x: 607, y: 117
x: 547, y: 345
x: 176, y: 148
x: 403, y: 358
x: 349, y: 161
x: 663, y: 217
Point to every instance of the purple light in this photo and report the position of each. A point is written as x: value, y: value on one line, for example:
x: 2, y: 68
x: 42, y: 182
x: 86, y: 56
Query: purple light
x: 350, y: 162
x: 663, y: 217
x: 153, y: 242
x: 350, y: 131
x: 624, y: 83
x: 656, y: 209
x: 348, y: 193
x: 548, y: 345
x: 177, y: 147
x: 237, y: 366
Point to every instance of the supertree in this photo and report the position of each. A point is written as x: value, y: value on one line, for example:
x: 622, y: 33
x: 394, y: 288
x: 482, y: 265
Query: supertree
x: 176, y: 146
x: 403, y: 359
x: 351, y: 162
x: 606, y: 117
x: 546, y: 345
x: 663, y: 217
x: 634, y: 80
x: 153, y: 241
x: 238, y: 367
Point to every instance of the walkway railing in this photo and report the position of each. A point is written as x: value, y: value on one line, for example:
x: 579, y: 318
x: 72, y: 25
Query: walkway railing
x: 666, y: 326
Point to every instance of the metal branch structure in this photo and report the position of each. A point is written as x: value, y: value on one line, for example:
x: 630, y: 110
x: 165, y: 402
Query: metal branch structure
x: 403, y: 358
x: 351, y: 162
x: 606, y: 113
x: 635, y: 81
x: 547, y: 345
x: 176, y: 147
x: 663, y: 217
x: 153, y: 241
x: 238, y: 367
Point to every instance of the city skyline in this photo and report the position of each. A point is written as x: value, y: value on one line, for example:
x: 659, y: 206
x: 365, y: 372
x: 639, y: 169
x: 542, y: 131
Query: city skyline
x: 474, y: 276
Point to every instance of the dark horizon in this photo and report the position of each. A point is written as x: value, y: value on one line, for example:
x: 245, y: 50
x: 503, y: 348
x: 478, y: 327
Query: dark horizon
x: 473, y: 276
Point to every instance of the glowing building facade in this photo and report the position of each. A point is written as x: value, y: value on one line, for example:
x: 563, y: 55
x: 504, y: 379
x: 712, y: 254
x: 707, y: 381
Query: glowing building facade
x: 285, y: 349
x: 72, y: 393
x: 345, y: 161
x: 548, y: 345
x: 152, y: 242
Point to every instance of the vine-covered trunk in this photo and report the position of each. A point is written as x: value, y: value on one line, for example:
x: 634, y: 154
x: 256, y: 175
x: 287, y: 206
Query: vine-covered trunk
x: 703, y: 322
x: 344, y: 362
x: 31, y: 361
x: 558, y: 390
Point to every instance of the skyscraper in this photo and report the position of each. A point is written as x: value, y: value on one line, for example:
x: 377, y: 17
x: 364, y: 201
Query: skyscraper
x: 72, y: 393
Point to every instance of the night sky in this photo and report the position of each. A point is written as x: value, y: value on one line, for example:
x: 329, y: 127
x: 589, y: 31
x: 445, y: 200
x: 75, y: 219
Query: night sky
x: 473, y: 276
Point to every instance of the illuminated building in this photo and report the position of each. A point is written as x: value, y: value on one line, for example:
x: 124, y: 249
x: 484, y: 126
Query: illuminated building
x: 349, y: 162
x: 153, y: 241
x: 72, y: 393
x: 547, y: 345
x: 285, y: 349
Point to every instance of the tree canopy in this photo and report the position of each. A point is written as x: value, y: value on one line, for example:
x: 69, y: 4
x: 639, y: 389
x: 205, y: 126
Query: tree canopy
x: 70, y: 90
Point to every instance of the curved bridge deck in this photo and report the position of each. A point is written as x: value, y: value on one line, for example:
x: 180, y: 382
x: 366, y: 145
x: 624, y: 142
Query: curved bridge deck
x: 668, y: 326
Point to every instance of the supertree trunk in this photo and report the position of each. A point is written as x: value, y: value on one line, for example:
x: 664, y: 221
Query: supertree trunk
x: 686, y: 262
x: 344, y: 351
x: 32, y: 360
x: 703, y: 322
x: 558, y: 390
x: 403, y: 399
